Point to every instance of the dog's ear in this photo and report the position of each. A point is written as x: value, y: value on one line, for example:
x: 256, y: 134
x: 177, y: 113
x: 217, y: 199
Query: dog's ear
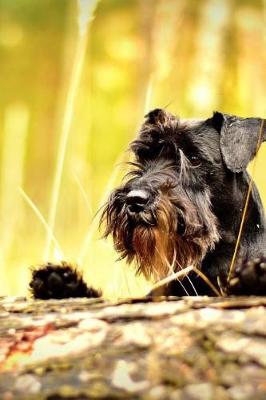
x: 240, y: 139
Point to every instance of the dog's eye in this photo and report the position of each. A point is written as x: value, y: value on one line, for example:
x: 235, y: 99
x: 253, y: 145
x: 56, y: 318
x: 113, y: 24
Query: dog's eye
x: 194, y: 160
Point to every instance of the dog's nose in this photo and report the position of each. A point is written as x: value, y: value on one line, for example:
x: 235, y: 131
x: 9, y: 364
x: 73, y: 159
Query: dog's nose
x: 137, y: 200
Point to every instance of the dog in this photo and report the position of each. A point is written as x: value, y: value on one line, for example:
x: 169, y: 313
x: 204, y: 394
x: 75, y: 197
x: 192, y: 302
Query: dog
x: 183, y: 203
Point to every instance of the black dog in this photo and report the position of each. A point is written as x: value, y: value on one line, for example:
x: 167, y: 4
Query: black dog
x: 182, y: 205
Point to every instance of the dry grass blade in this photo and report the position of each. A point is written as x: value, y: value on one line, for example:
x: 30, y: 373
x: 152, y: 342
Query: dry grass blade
x: 42, y: 220
x: 171, y: 271
x: 78, y: 61
x: 172, y: 277
x: 83, y: 193
x: 207, y: 281
x: 181, y: 274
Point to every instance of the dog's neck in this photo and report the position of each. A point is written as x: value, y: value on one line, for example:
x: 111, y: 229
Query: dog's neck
x: 230, y: 213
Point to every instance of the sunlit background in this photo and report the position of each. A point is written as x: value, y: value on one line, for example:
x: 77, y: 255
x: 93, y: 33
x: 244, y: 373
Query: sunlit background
x: 76, y: 78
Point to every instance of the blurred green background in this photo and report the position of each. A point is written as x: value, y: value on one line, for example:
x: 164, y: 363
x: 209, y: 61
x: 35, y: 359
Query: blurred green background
x: 76, y: 78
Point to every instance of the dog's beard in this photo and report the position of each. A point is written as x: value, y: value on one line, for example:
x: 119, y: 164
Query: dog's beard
x: 178, y: 237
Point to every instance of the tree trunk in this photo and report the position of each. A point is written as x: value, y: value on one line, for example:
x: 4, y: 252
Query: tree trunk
x: 184, y: 349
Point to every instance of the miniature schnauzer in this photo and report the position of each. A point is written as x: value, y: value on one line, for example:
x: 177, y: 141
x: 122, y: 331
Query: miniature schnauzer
x: 181, y: 205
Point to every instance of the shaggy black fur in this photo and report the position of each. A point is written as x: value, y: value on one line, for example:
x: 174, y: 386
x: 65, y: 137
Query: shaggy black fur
x: 182, y: 204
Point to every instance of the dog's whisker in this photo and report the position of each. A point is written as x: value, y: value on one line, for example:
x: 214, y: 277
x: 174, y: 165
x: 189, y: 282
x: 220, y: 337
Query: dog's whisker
x: 181, y: 281
x: 193, y: 287
x: 183, y: 286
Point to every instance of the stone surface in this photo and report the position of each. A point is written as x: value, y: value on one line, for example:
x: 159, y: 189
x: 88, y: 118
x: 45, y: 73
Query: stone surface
x: 177, y: 349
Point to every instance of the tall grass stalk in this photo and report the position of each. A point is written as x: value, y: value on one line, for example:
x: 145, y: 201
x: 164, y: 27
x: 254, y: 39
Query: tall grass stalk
x: 86, y: 12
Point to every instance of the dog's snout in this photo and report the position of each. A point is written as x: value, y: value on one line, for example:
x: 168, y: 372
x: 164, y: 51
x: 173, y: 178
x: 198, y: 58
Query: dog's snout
x: 137, y: 200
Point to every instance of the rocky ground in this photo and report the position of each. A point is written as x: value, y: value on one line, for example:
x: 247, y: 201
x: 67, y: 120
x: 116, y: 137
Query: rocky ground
x: 180, y: 349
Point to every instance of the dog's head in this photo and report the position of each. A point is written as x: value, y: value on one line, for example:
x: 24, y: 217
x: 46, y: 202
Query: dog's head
x: 163, y: 215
